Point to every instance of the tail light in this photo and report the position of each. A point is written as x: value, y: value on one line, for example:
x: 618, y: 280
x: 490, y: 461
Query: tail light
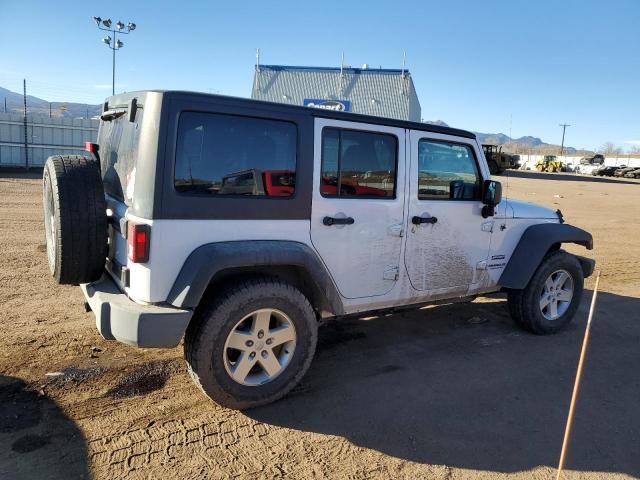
x: 91, y: 147
x: 138, y: 242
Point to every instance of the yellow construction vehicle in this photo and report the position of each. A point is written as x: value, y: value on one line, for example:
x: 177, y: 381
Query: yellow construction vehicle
x: 497, y: 160
x: 550, y: 163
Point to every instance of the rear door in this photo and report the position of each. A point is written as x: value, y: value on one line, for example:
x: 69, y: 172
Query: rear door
x: 119, y: 140
x: 448, y: 239
x: 358, y: 204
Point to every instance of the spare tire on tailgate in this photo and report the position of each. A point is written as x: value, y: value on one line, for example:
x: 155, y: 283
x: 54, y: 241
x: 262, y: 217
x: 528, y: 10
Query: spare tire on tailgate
x: 75, y: 219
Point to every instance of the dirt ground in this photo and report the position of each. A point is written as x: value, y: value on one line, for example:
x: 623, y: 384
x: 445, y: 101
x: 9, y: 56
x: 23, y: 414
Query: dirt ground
x: 447, y: 392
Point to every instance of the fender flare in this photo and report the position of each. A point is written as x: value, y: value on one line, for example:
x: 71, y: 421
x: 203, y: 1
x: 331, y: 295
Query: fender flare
x: 207, y: 260
x: 534, y: 244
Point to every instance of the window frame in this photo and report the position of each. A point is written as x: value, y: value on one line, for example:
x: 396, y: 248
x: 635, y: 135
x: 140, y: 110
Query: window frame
x: 357, y: 197
x: 197, y: 194
x: 477, y: 198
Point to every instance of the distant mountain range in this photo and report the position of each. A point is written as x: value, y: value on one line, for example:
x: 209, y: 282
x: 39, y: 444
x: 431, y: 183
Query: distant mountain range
x: 38, y: 106
x: 517, y: 145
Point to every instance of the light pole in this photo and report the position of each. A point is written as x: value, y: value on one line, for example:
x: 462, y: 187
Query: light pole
x: 114, y: 44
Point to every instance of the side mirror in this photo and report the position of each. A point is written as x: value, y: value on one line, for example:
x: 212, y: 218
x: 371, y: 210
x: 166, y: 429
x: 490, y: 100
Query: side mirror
x: 491, y: 196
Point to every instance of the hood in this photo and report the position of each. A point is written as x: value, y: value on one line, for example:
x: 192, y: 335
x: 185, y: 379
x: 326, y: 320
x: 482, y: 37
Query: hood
x: 518, y: 209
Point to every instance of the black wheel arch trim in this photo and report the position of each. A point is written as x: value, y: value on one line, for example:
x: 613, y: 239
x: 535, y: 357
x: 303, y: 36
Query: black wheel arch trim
x: 206, y: 261
x: 534, y: 244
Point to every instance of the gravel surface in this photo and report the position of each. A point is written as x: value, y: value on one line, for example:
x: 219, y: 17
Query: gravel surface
x: 445, y: 392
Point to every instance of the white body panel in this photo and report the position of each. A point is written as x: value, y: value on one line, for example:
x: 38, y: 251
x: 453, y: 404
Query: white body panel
x: 511, y: 220
x: 173, y: 240
x: 462, y: 254
x: 450, y: 255
x: 361, y: 255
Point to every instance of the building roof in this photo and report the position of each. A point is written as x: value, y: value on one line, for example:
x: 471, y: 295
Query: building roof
x: 332, y: 69
x: 379, y: 92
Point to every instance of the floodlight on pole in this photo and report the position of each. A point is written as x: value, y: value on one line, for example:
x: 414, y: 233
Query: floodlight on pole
x: 119, y: 28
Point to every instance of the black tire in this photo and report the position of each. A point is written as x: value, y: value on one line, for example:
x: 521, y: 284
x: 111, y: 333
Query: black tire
x: 524, y: 305
x: 75, y: 219
x: 214, y: 321
x: 494, y: 169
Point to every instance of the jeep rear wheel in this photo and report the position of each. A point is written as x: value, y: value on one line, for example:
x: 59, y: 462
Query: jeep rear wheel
x: 75, y: 219
x: 550, y: 300
x: 252, y: 344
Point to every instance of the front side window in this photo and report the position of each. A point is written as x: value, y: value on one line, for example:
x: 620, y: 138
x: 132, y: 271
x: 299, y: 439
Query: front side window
x: 233, y: 155
x: 447, y: 171
x: 358, y: 164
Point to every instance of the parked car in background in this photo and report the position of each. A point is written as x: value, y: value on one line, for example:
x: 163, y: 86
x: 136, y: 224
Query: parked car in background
x: 605, y: 171
x: 620, y: 172
x: 586, y: 169
x: 633, y: 173
x: 595, y: 160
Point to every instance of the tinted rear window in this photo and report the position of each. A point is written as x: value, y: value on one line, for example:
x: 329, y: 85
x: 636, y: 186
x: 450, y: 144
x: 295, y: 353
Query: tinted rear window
x: 358, y: 164
x: 118, y: 140
x: 234, y: 155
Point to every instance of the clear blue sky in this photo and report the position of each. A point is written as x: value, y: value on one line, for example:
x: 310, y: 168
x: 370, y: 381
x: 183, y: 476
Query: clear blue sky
x: 474, y: 63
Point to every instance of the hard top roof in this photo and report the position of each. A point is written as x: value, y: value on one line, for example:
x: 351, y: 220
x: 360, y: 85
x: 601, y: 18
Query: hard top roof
x: 122, y: 99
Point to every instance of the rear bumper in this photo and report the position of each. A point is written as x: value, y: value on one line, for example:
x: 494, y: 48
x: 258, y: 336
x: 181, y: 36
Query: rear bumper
x: 120, y: 318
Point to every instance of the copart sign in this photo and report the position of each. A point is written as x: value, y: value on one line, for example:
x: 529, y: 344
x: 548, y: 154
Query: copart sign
x: 335, y: 105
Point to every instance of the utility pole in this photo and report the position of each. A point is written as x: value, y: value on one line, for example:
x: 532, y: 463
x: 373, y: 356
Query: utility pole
x: 26, y: 149
x: 115, y: 44
x: 564, y: 127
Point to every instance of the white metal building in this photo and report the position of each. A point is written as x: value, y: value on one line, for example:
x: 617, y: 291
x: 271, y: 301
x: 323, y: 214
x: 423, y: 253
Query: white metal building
x: 370, y: 91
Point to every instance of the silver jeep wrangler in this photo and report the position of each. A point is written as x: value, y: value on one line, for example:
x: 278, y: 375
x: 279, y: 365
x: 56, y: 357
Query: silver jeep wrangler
x: 239, y: 224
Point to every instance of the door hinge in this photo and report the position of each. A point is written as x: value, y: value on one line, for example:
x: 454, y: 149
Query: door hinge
x: 396, y: 230
x: 391, y: 274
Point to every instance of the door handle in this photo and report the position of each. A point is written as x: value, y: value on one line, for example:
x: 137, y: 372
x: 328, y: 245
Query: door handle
x: 328, y: 221
x: 418, y: 220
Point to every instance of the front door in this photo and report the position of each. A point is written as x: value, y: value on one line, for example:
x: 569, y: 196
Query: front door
x: 448, y: 239
x: 357, y: 216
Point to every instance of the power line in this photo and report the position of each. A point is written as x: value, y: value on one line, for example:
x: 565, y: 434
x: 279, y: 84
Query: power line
x: 564, y: 128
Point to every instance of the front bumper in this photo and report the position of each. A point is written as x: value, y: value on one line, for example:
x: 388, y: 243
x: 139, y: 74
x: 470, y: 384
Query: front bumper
x: 120, y: 318
x: 587, y: 264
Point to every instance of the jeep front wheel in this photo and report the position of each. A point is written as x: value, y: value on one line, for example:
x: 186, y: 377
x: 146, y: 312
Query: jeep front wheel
x: 550, y: 300
x: 252, y: 344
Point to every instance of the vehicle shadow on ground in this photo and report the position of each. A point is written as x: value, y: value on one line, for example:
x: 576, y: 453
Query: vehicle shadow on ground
x: 565, y: 177
x: 460, y: 385
x: 37, y: 440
